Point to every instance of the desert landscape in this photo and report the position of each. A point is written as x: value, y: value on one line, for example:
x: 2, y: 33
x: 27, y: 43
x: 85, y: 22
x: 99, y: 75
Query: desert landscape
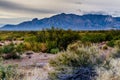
x: 59, y: 40
x: 83, y: 56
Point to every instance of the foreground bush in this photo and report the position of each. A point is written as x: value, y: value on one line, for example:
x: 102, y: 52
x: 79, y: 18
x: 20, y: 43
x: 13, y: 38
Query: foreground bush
x: 117, y: 44
x: 70, y: 73
x: 111, y: 43
x: 65, y: 64
x: 79, y: 57
x: 113, y: 73
x: 11, y: 51
x: 54, y: 51
x: 9, y: 73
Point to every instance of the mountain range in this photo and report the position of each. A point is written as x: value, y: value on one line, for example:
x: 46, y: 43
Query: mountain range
x: 68, y: 21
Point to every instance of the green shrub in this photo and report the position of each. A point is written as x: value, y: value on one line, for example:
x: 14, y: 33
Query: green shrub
x: 65, y: 63
x: 8, y: 49
x: 93, y: 37
x: 9, y: 73
x: 43, y: 47
x: 79, y: 57
x: 28, y: 46
x: 105, y: 47
x: 51, y: 45
x: 31, y: 39
x: 20, y: 48
x: 116, y: 53
x: 54, y: 51
x: 117, y: 44
x: 11, y: 51
x: 74, y: 46
x: 111, y: 43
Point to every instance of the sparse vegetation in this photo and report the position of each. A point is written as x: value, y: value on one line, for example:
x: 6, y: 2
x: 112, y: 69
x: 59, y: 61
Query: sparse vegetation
x: 11, y: 51
x: 73, y: 50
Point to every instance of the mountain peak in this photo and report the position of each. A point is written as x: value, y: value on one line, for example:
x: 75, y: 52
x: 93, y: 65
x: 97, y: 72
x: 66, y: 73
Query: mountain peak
x: 62, y: 14
x: 69, y: 21
x: 35, y: 19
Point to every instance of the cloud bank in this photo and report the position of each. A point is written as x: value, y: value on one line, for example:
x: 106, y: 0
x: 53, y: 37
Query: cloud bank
x: 10, y: 6
x: 14, y: 11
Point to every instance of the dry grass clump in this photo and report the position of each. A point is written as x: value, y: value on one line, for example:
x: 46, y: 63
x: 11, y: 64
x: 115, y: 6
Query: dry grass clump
x: 33, y: 74
x: 113, y: 73
x: 74, y: 58
x: 81, y: 56
x: 78, y: 55
x: 14, y: 73
x: 9, y: 73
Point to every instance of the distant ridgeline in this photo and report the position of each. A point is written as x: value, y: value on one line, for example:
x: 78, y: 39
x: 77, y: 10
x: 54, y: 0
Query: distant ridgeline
x: 68, y: 21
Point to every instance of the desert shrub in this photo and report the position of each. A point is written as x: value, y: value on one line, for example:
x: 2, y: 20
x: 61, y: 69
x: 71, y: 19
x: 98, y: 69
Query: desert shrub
x: 55, y: 37
x: 105, y: 47
x: 67, y: 38
x: 37, y: 74
x: 7, y: 49
x: 27, y: 45
x: 79, y: 57
x: 116, y: 53
x: 74, y: 46
x: 66, y: 63
x: 10, y: 38
x: 70, y: 73
x: 113, y: 73
x: 20, y: 48
x: 35, y: 47
x: 117, y: 44
x: 11, y: 51
x: 51, y: 45
x: 116, y: 37
x: 93, y: 37
x: 111, y: 43
x: 31, y: 39
x: 59, y: 72
x: 43, y: 47
x: 9, y: 73
x: 54, y: 51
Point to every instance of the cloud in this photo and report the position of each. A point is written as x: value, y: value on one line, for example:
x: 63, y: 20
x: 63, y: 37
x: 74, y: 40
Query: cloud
x: 13, y: 20
x: 12, y: 10
x: 11, y: 6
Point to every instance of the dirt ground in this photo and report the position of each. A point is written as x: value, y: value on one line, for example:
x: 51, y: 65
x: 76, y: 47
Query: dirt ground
x: 30, y: 60
x: 33, y: 67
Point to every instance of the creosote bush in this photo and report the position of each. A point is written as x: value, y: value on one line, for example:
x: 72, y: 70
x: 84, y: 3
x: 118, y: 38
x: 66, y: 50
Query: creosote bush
x: 113, y: 73
x: 117, y: 44
x: 105, y: 47
x: 54, y: 51
x: 111, y: 43
x: 8, y: 72
x: 65, y: 63
x: 11, y: 51
x: 84, y: 56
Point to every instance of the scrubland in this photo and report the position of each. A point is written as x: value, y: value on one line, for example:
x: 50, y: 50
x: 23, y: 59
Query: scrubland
x: 56, y: 54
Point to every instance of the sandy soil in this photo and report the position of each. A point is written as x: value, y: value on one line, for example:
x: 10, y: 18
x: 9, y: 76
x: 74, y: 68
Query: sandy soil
x: 30, y: 60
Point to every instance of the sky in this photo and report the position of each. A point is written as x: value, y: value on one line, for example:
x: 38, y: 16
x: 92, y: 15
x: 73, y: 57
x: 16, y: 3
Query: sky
x: 16, y: 11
